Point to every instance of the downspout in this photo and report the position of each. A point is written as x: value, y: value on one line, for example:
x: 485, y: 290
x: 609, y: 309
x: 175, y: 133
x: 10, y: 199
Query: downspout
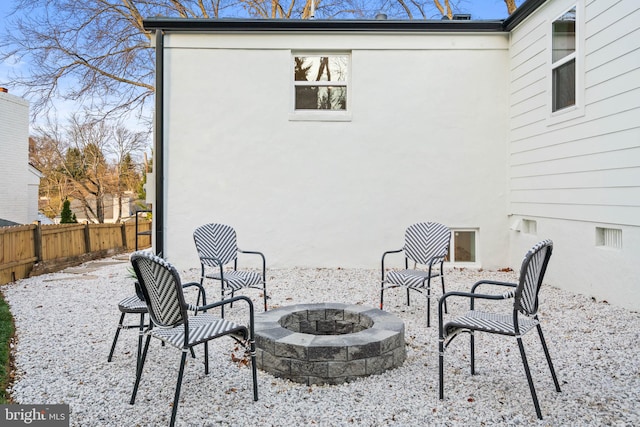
x: 158, y: 166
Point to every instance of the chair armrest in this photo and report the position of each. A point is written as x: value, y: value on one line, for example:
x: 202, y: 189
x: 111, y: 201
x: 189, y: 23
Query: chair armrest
x: 436, y: 259
x: 492, y: 282
x: 200, y: 291
x: 230, y: 301
x: 387, y: 253
x: 472, y: 296
x: 251, y: 253
x: 190, y: 284
x: 468, y: 295
x: 264, y: 261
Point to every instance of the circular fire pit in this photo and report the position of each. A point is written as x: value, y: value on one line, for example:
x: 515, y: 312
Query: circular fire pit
x: 328, y: 343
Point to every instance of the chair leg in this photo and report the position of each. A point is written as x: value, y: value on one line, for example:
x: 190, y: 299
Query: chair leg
x: 206, y: 357
x: 408, y: 301
x: 264, y: 292
x: 472, y: 341
x: 139, y: 367
x: 200, y: 291
x: 115, y: 338
x: 428, y: 304
x: 140, y: 334
x: 443, y: 291
x: 441, y: 368
x: 254, y: 373
x: 176, y: 399
x: 546, y: 353
x: 381, y: 294
x: 529, y: 379
x: 222, y: 298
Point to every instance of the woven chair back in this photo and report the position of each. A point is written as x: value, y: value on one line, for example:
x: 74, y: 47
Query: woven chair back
x: 161, y: 287
x: 215, y: 241
x: 425, y: 240
x: 532, y: 273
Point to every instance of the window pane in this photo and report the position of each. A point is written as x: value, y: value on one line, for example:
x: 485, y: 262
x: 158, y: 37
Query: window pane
x: 320, y: 68
x: 464, y: 243
x: 564, y: 35
x: 564, y: 85
x: 321, y: 98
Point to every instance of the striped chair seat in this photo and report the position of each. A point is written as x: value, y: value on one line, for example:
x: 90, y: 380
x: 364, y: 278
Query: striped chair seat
x: 488, y: 322
x: 132, y: 304
x: 238, y: 279
x: 415, y: 279
x: 202, y: 327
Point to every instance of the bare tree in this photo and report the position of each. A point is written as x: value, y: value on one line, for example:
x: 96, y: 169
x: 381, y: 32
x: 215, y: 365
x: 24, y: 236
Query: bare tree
x: 86, y: 166
x: 89, y: 160
x: 97, y: 54
x: 511, y: 6
x: 123, y: 146
x: 54, y: 186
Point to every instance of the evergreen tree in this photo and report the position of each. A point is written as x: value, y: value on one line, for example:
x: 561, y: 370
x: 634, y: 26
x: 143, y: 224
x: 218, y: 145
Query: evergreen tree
x: 66, y: 216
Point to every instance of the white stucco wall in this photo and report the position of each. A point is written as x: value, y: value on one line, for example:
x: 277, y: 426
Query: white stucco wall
x: 426, y: 142
x: 14, y: 158
x: 575, y: 171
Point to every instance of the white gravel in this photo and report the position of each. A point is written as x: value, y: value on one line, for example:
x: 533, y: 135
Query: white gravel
x: 66, y: 321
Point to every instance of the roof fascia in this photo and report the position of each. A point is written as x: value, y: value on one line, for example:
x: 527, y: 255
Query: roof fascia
x: 317, y: 25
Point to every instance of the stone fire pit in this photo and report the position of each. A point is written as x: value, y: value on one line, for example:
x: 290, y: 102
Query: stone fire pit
x: 328, y: 343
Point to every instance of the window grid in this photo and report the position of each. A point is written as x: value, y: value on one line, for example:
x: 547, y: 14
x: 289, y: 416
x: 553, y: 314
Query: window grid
x: 320, y: 82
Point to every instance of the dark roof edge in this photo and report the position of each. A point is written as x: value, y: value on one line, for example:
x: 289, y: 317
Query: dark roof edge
x: 521, y: 13
x: 321, y: 25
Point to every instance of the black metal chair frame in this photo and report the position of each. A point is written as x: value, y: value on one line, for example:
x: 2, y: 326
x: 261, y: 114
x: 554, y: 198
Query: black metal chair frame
x: 126, y: 308
x: 243, y: 335
x: 526, y: 312
x: 436, y: 261
x: 216, y: 262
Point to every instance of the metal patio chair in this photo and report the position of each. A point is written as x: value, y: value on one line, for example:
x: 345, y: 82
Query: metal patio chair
x: 518, y: 322
x: 217, y: 247
x: 426, y: 245
x: 171, y: 323
x: 134, y: 304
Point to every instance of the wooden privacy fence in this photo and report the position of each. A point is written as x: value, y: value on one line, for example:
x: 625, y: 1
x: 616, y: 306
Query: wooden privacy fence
x: 29, y: 250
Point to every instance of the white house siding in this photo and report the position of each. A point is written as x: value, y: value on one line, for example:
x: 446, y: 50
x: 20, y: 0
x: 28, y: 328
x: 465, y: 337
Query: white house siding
x: 33, y: 187
x: 576, y: 173
x: 426, y: 142
x: 14, y: 158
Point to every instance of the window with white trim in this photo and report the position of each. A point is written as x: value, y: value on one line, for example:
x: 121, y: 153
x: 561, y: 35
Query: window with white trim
x: 463, y: 247
x: 563, y: 61
x: 320, y: 83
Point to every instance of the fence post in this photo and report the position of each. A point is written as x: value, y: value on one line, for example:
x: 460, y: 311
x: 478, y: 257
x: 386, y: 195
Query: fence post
x: 87, y: 239
x: 123, y: 228
x: 37, y: 241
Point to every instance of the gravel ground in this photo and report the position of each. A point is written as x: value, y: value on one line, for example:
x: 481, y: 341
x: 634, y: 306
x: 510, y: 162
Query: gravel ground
x: 66, y: 321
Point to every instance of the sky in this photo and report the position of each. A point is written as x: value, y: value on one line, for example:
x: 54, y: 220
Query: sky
x: 479, y: 9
